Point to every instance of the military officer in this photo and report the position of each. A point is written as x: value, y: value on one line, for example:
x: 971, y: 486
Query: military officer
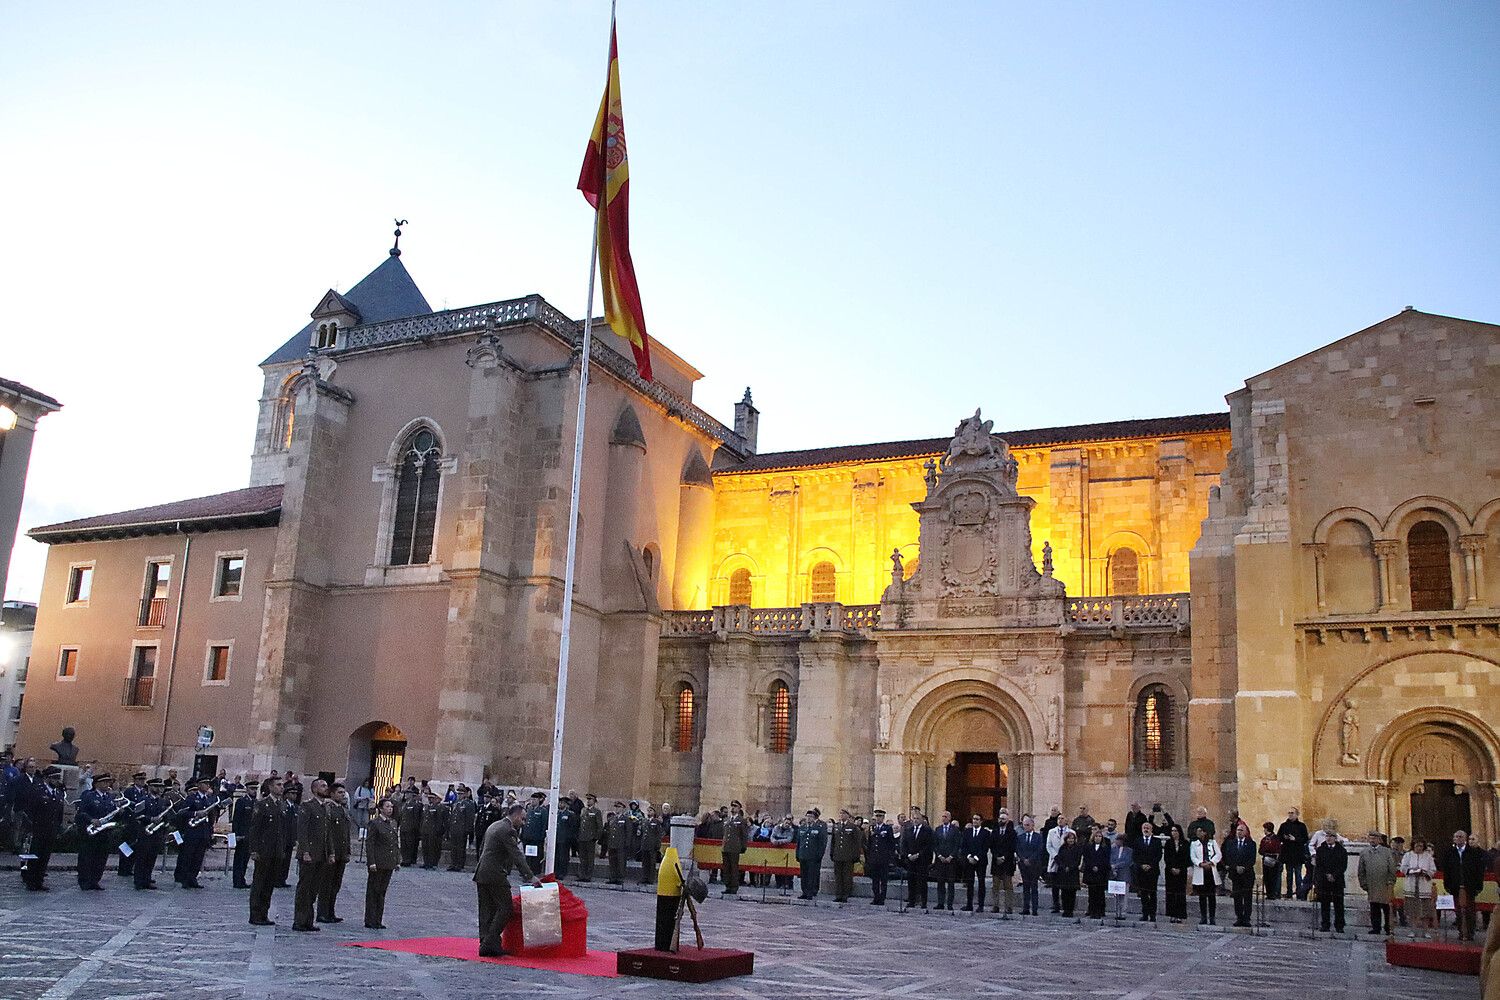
x: 291, y: 802
x: 500, y: 852
x: 434, y: 825
x: 736, y: 839
x: 880, y: 853
x: 812, y: 841
x: 314, y: 853
x: 268, y: 846
x: 410, y: 824
x: 340, y: 833
x: 590, y: 830
x: 45, y: 803
x: 534, y: 831
x: 461, y: 815
x: 567, y: 833
x: 383, y: 854
x: 622, y: 841
x: 93, y: 849
x: 845, y: 846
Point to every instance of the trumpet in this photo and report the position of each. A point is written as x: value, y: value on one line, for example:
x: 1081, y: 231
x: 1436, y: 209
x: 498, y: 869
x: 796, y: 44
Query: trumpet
x: 108, y: 820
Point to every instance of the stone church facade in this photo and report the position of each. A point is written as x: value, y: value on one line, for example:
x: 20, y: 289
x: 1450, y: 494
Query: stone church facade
x: 1239, y: 610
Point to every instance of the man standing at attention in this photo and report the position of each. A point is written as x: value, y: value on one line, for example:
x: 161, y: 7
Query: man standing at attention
x: 314, y: 853
x: 736, y: 839
x: 590, y: 829
x: 812, y: 840
x: 1031, y: 860
x: 976, y: 860
x: 1239, y: 858
x: 267, y: 847
x: 1146, y: 868
x: 1293, y: 835
x: 340, y: 832
x: 500, y: 852
x: 847, y: 841
x: 880, y: 852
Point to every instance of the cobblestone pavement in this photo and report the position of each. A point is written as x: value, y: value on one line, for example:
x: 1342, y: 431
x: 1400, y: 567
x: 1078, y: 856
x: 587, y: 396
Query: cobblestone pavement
x: 177, y: 943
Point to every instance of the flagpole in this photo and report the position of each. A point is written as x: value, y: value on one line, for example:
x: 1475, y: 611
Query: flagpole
x: 565, y: 641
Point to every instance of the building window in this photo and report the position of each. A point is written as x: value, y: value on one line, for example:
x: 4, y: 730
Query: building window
x: 15, y: 712
x: 685, y: 719
x: 154, y: 597
x: 1430, y: 573
x: 285, y: 416
x: 739, y: 587
x: 822, y: 584
x: 1124, y: 573
x: 648, y: 558
x: 1155, y: 733
x: 80, y: 581
x: 229, y: 577
x: 416, y: 500
x: 216, y: 666
x: 138, y: 686
x: 327, y: 335
x: 781, y: 718
x: 67, y: 663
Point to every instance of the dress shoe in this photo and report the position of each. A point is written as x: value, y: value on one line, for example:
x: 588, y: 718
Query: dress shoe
x: 264, y: 923
x: 309, y: 927
x: 376, y: 927
x: 497, y: 953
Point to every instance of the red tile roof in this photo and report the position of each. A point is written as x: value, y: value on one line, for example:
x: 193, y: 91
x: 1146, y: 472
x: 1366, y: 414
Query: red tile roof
x: 1114, y: 430
x: 254, y: 506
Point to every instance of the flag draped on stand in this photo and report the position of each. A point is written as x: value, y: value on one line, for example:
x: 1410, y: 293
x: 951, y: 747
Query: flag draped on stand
x: 605, y: 182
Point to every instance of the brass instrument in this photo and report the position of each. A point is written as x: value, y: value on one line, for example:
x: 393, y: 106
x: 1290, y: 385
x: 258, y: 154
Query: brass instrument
x: 108, y: 821
x: 156, y: 825
x: 207, y: 814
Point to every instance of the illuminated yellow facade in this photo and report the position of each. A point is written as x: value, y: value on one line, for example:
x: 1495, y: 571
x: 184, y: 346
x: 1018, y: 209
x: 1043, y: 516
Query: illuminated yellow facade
x: 1103, y: 503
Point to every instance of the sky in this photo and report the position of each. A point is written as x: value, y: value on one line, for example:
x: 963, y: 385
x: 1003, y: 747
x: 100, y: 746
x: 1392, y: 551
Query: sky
x: 878, y: 216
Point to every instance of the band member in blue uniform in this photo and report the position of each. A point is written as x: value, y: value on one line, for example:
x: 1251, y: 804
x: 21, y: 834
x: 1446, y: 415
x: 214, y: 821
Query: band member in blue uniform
x: 45, y: 805
x: 194, y: 817
x: 93, y: 849
x: 151, y: 833
x: 136, y: 792
x: 241, y: 813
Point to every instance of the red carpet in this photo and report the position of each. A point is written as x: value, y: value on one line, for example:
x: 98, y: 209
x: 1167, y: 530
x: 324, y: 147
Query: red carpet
x: 595, y: 963
x: 1460, y: 959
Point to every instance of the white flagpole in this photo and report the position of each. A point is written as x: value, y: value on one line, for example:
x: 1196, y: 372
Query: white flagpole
x: 565, y: 640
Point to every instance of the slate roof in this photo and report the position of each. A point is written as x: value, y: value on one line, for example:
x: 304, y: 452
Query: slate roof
x: 16, y: 388
x: 1151, y: 427
x: 388, y: 292
x: 252, y: 507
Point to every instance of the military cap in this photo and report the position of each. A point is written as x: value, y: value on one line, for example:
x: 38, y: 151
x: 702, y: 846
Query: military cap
x: 155, y: 783
x: 106, y: 776
x: 52, y: 772
x: 619, y: 804
x: 879, y: 812
x: 138, y: 776
x: 539, y: 795
x: 736, y: 804
x: 590, y: 797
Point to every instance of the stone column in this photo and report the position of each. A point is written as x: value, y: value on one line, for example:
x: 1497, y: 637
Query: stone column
x: 291, y: 630
x: 1386, y: 550
x: 1319, y: 552
x: 1472, y: 547
x: 1069, y: 522
x: 818, y: 757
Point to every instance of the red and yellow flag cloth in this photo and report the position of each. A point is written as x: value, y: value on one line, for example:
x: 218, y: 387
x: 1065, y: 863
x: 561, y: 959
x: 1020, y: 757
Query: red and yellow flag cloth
x: 606, y: 179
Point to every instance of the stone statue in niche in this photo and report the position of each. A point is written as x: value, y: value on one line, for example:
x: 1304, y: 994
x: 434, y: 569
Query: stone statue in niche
x: 1054, y: 723
x: 1349, y: 733
x: 1046, y: 558
x: 64, y: 749
x: 884, y: 739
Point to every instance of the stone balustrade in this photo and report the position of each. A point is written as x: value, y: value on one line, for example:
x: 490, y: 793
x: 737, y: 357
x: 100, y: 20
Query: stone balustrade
x: 803, y: 620
x: 1142, y: 611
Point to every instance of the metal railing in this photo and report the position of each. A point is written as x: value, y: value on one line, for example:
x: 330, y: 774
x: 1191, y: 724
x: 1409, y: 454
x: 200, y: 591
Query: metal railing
x: 138, y: 692
x: 153, y: 612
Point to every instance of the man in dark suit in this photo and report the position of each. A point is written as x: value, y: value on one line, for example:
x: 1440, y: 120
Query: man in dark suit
x: 1003, y: 863
x: 975, y: 857
x: 947, y: 844
x: 916, y: 845
x: 1240, y: 853
x: 267, y: 847
x: 240, y: 815
x: 880, y: 854
x: 314, y: 853
x: 1145, y: 869
x: 500, y: 852
x: 1031, y: 861
x: 1462, y: 868
x: 1293, y: 836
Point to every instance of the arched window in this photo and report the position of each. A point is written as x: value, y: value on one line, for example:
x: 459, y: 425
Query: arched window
x: 649, y: 559
x: 1155, y: 731
x: 328, y: 335
x: 416, y: 499
x: 683, y: 743
x: 1124, y: 573
x: 822, y: 584
x: 739, y: 586
x: 781, y: 718
x: 1430, y: 573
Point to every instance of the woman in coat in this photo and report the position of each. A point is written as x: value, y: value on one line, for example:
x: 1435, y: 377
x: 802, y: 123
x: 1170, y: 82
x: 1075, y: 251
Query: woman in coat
x: 383, y: 855
x: 1096, y: 872
x: 1065, y: 875
x: 1204, y: 856
x: 1177, y: 862
x: 1420, y: 868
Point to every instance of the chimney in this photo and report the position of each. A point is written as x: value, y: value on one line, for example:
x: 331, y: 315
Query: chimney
x: 746, y: 420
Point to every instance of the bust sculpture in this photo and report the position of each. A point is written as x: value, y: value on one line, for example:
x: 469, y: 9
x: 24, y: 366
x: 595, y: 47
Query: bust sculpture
x: 64, y: 749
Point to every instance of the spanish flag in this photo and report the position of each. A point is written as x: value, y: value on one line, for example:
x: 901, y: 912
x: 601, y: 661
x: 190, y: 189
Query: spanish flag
x: 605, y: 182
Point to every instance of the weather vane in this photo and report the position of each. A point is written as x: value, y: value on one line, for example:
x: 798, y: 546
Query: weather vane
x: 396, y: 250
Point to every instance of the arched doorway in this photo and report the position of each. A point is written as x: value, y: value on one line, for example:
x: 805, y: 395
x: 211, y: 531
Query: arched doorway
x: 1439, y: 769
x: 377, y: 754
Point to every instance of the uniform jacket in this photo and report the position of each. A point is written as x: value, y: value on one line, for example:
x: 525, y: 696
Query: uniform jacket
x: 812, y: 841
x: 268, y: 830
x: 47, y: 813
x: 314, y: 831
x: 409, y: 818
x: 535, y: 830
x: 500, y: 852
x: 623, y: 834
x: 461, y: 816
x: 1096, y: 870
x: 846, y: 841
x: 340, y: 830
x: 1466, y: 872
x: 289, y: 824
x: 736, y: 834
x: 383, y: 844
x: 976, y: 847
x: 240, y: 815
x: 434, y: 820
x: 880, y: 848
x: 567, y: 823
x: 1377, y: 873
x: 590, y: 824
x: 92, y: 805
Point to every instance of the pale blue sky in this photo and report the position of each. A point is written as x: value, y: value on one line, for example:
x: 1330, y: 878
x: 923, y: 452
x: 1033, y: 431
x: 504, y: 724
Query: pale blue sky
x: 879, y: 216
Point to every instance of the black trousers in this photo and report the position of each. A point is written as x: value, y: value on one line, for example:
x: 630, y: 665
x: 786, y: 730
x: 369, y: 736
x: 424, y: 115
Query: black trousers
x: 93, y: 858
x: 666, y: 921
x: 880, y: 875
x: 495, y: 910
x: 942, y: 874
x: 916, y: 885
x: 811, y: 876
x: 241, y: 860
x: 285, y: 873
x: 1380, y: 918
x: 328, y: 889
x: 267, y: 876
x: 126, y: 867
x: 731, y: 872
x: 1208, y: 901
x: 1030, y: 896
x: 145, y: 862
x: 409, y: 845
x: 588, y: 853
x: 34, y: 874
x: 309, y: 878
x: 1331, y: 900
x: 972, y: 874
x: 1069, y: 894
x: 375, y: 889
x: 458, y: 853
x: 1097, y: 892
x: 616, y: 865
x: 432, y: 851
x: 190, y: 860
x: 1148, y: 901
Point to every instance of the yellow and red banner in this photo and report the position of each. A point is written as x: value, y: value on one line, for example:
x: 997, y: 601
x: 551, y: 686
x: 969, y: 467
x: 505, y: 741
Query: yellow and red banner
x: 605, y: 183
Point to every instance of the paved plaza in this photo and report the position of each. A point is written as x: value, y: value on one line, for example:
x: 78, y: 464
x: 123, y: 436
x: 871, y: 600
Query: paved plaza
x: 177, y: 943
